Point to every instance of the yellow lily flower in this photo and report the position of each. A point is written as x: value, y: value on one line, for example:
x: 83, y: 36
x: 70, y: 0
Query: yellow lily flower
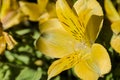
x: 6, y: 40
x: 71, y: 37
x: 38, y: 11
x: 114, y: 17
x: 10, y: 14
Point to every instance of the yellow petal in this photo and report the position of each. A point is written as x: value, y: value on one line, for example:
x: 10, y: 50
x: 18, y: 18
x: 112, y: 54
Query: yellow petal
x: 12, y: 18
x: 42, y: 4
x: 62, y: 64
x: 49, y: 13
x: 101, y: 58
x: 111, y: 12
x: 93, y: 28
x: 91, y: 14
x: 115, y: 43
x: 96, y: 64
x: 44, y: 17
x: 54, y: 40
x: 69, y: 20
x: 51, y: 9
x: 6, y: 6
x: 116, y: 27
x: 9, y: 40
x: 9, y: 14
x: 86, y: 8
x: 32, y: 10
x: 2, y: 44
x: 84, y: 72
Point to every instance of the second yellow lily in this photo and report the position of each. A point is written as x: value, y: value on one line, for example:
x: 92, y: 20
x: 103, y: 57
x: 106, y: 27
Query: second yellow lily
x: 114, y: 17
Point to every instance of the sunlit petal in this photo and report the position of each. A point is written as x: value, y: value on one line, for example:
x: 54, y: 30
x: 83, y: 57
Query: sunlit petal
x: 62, y: 64
x: 101, y: 58
x: 90, y: 12
x: 69, y: 20
x: 54, y: 40
x: 86, y: 8
x: 84, y: 72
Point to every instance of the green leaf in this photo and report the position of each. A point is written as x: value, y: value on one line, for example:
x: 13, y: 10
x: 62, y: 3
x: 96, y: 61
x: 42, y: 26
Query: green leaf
x: 39, y: 54
x: 30, y: 74
x: 4, y: 72
x: 9, y: 56
x: 26, y: 48
x: 23, y: 32
x: 23, y: 58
